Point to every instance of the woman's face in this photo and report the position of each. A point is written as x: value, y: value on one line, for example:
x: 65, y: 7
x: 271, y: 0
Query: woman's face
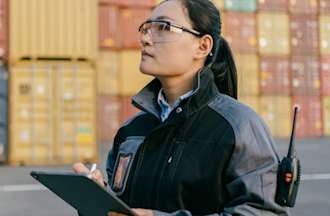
x: 173, y: 57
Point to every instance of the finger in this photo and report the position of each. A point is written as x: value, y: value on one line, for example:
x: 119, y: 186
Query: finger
x: 115, y: 214
x: 97, y: 176
x: 80, y: 168
x: 144, y: 212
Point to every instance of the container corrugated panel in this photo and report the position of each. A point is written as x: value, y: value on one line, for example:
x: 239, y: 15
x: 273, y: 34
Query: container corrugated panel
x: 130, y: 20
x: 127, y: 109
x: 3, y: 143
x: 241, y: 5
x: 324, y: 26
x: 305, y: 75
x: 271, y: 5
x: 276, y: 111
x: 131, y: 80
x: 3, y: 80
x: 248, y: 74
x: 240, y: 31
x: 3, y: 28
x: 3, y: 113
x: 53, y: 108
x: 131, y: 3
x: 220, y: 4
x: 325, y: 75
x: 50, y: 29
x: 273, y: 32
x: 304, y: 34
x: 108, y: 72
x: 252, y: 102
x: 274, y: 75
x: 326, y: 115
x: 109, y: 27
x: 324, y: 7
x: 309, y: 121
x: 303, y: 6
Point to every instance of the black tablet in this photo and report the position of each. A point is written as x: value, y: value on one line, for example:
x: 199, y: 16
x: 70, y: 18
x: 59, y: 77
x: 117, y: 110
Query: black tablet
x: 82, y: 193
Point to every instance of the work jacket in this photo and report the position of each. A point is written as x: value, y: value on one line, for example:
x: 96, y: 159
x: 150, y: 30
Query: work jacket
x: 212, y: 155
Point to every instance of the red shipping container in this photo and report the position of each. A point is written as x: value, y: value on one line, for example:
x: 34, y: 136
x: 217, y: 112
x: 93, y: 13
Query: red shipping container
x: 130, y: 20
x: 109, y: 29
x: 274, y: 75
x: 3, y: 28
x: 271, y: 5
x: 304, y: 6
x: 325, y: 75
x: 324, y: 6
x: 240, y: 31
x: 309, y: 121
x: 304, y: 32
x: 131, y: 3
x: 305, y: 75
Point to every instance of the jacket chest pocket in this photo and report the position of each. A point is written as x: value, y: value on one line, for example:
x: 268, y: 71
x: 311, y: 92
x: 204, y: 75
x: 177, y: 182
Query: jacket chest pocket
x: 124, y: 160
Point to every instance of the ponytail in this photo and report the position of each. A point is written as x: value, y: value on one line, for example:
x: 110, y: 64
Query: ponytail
x: 223, y: 67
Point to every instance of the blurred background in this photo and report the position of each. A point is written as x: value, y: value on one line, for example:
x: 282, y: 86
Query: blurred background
x: 68, y: 69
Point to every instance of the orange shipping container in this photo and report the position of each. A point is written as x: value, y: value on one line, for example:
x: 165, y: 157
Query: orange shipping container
x: 240, y: 31
x: 305, y: 75
x: 273, y: 31
x: 3, y: 28
x: 309, y: 121
x: 303, y: 6
x: 324, y: 26
x: 324, y: 6
x: 248, y: 75
x: 304, y: 35
x: 325, y: 75
x: 271, y: 5
x: 326, y: 115
x: 277, y: 111
x: 251, y: 101
x: 110, y: 34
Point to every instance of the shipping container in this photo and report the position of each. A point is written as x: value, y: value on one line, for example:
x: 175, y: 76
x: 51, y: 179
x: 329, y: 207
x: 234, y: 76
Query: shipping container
x: 271, y: 5
x: 3, y: 143
x: 326, y: 115
x: 277, y: 112
x: 309, y: 120
x: 53, y: 29
x: 247, y: 74
x: 53, y: 113
x: 110, y: 31
x: 275, y: 76
x: 131, y: 80
x: 325, y: 75
x: 251, y: 101
x: 131, y: 3
x: 241, y: 5
x: 3, y: 80
x: 130, y: 20
x: 305, y: 75
x: 220, y: 4
x: 324, y: 26
x: 108, y: 72
x: 3, y: 28
x: 304, y: 34
x: 240, y: 31
x: 303, y: 6
x: 273, y: 31
x: 324, y: 7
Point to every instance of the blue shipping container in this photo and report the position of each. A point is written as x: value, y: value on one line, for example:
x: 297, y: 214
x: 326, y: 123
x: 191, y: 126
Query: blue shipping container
x: 3, y: 113
x: 3, y: 143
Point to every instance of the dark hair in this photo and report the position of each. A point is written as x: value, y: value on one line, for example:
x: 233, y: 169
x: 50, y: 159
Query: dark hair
x: 205, y: 18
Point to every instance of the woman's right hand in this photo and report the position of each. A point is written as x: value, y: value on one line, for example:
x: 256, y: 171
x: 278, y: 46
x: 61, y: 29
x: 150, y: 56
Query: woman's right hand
x: 97, y: 176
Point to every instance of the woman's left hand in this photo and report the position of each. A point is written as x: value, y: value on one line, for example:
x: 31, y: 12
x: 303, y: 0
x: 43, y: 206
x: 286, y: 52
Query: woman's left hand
x: 138, y: 211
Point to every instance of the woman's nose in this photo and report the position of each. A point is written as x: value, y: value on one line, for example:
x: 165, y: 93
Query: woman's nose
x: 146, y: 39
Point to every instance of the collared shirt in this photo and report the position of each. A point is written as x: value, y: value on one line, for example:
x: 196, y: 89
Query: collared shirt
x: 166, y: 108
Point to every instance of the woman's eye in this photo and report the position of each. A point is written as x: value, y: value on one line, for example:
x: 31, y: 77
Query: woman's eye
x: 163, y: 27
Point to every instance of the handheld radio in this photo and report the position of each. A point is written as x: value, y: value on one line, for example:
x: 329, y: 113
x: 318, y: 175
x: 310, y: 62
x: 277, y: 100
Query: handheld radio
x: 288, y: 175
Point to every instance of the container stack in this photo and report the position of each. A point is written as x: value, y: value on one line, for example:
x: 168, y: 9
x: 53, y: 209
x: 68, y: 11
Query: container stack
x: 3, y: 80
x: 53, y: 49
x: 118, y: 65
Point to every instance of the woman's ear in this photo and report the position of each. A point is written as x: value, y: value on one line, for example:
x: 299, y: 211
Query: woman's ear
x: 204, y: 47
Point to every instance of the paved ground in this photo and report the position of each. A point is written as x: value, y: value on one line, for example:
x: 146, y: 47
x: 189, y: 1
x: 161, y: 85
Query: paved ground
x: 21, y: 196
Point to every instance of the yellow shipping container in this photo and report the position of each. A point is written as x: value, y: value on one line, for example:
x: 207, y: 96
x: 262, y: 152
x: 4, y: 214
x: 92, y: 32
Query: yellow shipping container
x: 50, y: 29
x: 251, y: 101
x: 247, y: 74
x: 277, y: 111
x: 131, y: 80
x: 326, y: 115
x: 324, y: 34
x: 273, y: 30
x: 220, y: 4
x: 107, y: 72
x: 53, y: 109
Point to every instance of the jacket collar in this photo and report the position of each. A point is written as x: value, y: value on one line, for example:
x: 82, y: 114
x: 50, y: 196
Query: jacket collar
x: 204, y: 91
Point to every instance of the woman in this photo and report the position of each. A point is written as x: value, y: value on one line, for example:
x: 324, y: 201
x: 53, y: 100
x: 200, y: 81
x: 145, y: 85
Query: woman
x: 194, y: 149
